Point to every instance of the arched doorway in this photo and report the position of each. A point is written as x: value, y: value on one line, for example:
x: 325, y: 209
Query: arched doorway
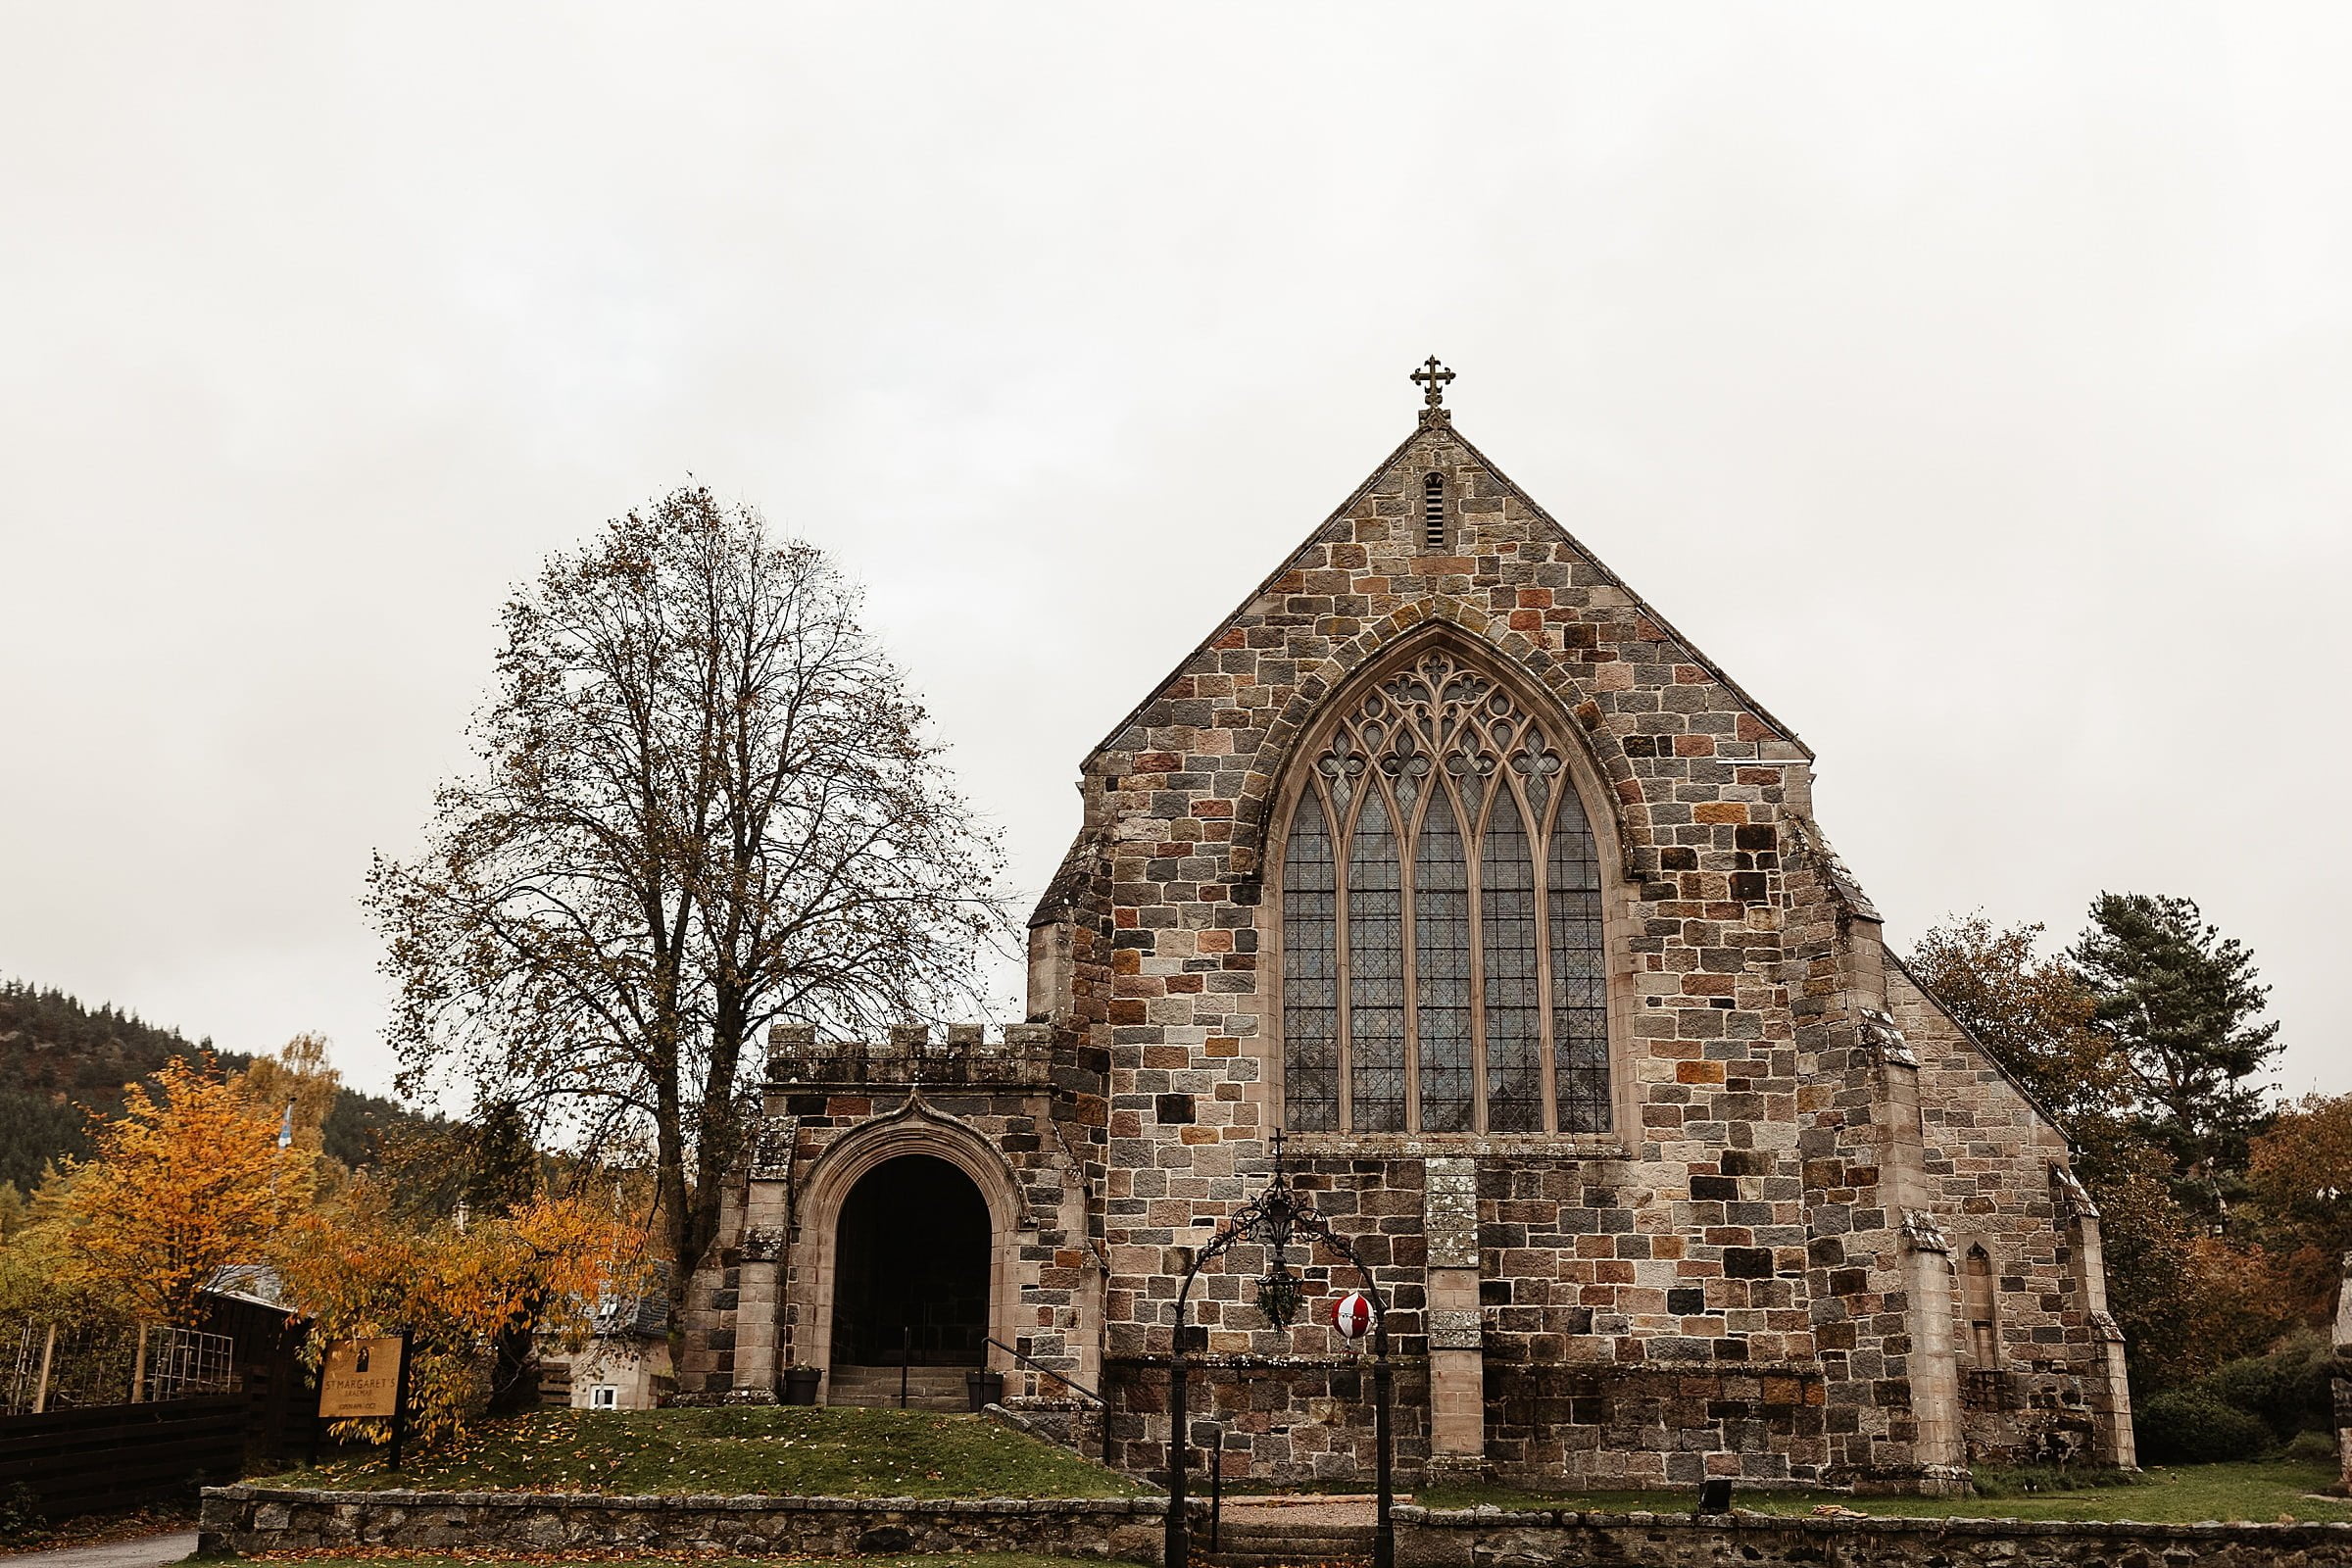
x: 911, y: 1267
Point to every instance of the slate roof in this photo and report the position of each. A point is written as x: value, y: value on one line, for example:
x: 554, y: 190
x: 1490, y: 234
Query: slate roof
x: 643, y: 1316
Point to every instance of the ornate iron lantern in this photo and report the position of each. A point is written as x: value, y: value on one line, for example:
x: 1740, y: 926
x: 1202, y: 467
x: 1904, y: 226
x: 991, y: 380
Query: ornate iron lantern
x: 1279, y: 1295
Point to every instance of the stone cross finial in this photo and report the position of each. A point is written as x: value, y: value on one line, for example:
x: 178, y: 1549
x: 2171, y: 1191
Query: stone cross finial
x: 1433, y: 377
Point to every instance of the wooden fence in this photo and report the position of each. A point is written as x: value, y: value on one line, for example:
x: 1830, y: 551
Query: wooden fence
x: 116, y: 1456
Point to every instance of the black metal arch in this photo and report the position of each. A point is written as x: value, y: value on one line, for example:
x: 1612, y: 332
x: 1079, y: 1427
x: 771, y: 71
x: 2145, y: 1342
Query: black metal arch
x: 1276, y: 1219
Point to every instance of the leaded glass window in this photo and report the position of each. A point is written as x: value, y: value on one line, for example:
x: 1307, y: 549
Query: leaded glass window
x: 1441, y: 921
x: 1442, y: 981
x: 1375, y: 973
x: 1311, y: 1010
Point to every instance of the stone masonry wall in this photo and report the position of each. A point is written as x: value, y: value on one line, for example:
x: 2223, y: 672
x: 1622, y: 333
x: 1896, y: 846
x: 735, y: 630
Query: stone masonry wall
x: 1284, y: 1406
x: 2342, y: 1339
x: 1857, y: 1294
x: 706, y: 1344
x: 1428, y: 1539
x: 1695, y: 1254
x: 1573, y: 1389
x: 1008, y: 1100
x: 249, y: 1521
x: 1295, y: 1420
x: 1991, y: 1155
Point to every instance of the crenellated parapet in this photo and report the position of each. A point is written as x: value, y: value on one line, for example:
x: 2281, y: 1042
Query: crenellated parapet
x: 1022, y: 1058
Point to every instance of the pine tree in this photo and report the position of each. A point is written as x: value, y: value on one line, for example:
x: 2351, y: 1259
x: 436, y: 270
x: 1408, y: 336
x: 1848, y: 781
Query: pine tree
x: 2179, y: 1001
x: 505, y: 1173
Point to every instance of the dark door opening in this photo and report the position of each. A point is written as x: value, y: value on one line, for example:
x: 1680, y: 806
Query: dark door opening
x: 910, y: 1267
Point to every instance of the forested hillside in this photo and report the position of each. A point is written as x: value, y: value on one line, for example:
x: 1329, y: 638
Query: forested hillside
x: 59, y: 1061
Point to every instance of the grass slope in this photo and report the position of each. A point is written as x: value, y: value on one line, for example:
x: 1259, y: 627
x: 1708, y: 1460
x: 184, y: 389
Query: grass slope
x: 773, y: 1449
x: 2258, y: 1491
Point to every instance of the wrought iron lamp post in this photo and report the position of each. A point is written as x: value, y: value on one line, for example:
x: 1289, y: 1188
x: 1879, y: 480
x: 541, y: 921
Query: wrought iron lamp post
x: 1278, y: 1218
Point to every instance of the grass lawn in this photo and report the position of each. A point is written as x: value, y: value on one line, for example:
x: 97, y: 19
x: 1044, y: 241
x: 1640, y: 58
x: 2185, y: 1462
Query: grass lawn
x: 793, y: 1450
x: 2258, y: 1490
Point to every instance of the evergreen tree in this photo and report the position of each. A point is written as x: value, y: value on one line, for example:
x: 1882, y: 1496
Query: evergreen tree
x: 2179, y: 1001
x: 505, y: 1173
x: 63, y: 1063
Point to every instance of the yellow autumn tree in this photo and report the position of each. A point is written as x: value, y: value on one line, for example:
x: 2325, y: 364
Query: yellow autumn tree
x: 362, y: 1268
x: 299, y: 1079
x: 189, y: 1178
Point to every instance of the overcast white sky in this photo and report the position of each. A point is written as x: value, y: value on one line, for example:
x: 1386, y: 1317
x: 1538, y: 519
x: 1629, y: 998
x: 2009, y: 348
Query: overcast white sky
x: 1972, y: 382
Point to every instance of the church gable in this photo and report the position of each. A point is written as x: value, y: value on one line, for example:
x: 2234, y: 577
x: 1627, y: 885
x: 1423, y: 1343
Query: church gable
x: 1440, y: 535
x: 1157, y: 925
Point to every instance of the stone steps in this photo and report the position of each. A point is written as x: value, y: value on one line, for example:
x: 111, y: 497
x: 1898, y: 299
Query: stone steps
x: 1269, y: 1544
x: 928, y: 1388
x: 1276, y: 1555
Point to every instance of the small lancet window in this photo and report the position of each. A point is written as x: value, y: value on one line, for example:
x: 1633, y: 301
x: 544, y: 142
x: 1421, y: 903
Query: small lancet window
x: 1433, y: 512
x: 1975, y: 1301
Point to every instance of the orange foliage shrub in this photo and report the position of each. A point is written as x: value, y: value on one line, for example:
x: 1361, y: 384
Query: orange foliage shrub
x: 362, y: 1268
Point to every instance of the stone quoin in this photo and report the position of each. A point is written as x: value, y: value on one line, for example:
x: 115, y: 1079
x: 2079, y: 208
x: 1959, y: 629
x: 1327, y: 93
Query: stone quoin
x: 1452, y: 856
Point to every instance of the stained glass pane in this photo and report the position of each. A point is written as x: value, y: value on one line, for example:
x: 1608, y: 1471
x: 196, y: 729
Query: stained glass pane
x: 1579, y: 978
x: 1442, y: 971
x: 1375, y: 973
x: 1310, y: 988
x: 1506, y: 907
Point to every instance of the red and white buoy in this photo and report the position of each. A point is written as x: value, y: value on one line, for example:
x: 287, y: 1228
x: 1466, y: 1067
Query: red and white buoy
x: 1351, y: 1315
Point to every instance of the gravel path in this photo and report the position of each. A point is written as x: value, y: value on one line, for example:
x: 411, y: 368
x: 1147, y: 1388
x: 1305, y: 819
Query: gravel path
x: 140, y: 1551
x: 1305, y: 1510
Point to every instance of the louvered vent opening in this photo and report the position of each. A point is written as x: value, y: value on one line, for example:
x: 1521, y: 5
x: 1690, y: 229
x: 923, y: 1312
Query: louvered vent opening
x: 1433, y: 512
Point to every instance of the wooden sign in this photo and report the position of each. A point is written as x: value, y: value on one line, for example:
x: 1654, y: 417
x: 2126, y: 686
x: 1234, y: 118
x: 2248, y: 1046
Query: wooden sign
x: 361, y: 1378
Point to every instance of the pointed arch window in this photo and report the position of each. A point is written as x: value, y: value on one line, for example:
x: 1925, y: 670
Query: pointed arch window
x: 1443, y: 967
x: 1977, y: 1299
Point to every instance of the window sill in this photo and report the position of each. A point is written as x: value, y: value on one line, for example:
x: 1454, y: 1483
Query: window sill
x: 1406, y: 1146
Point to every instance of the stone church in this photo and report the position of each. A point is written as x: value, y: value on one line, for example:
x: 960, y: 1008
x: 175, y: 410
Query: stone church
x: 1452, y: 856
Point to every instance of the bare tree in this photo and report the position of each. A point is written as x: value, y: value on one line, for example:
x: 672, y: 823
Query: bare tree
x: 707, y: 800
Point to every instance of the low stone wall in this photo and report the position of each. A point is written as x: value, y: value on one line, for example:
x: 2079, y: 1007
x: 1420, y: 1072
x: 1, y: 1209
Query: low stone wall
x: 1283, y: 1419
x: 1490, y: 1537
x: 1637, y: 1426
x: 1066, y: 1423
x: 251, y: 1520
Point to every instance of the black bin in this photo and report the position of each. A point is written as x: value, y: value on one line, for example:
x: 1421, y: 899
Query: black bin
x: 983, y: 1389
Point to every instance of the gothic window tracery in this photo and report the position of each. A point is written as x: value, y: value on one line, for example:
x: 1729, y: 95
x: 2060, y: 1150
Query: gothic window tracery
x: 1443, y: 966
